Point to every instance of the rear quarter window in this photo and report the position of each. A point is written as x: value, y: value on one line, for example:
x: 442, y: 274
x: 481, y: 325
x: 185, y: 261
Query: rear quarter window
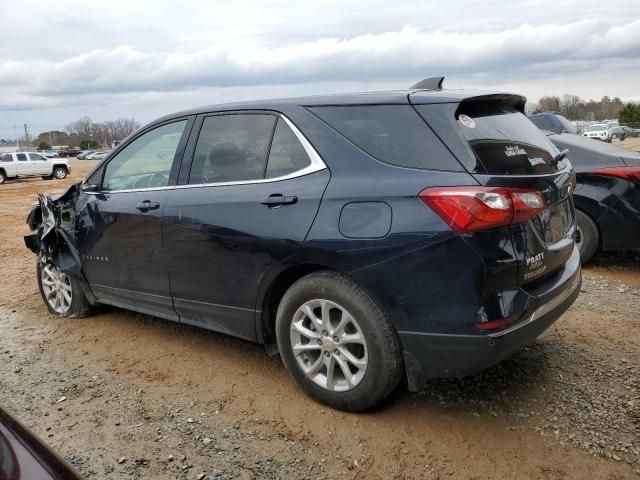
x: 393, y: 134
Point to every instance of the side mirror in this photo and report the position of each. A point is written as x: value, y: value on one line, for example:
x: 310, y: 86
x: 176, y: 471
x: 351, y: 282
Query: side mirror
x: 90, y: 187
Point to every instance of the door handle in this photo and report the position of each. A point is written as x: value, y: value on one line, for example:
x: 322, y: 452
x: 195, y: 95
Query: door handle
x: 277, y: 200
x: 147, y: 205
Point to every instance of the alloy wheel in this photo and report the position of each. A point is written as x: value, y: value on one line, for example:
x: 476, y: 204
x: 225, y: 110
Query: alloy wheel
x: 57, y: 289
x: 329, y: 345
x: 60, y: 174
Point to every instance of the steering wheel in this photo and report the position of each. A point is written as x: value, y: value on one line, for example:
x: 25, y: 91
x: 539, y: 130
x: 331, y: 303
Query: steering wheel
x: 158, y: 179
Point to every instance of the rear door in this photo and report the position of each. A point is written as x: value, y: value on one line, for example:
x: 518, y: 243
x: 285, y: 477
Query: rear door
x: 501, y: 148
x: 250, y: 193
x: 24, y: 167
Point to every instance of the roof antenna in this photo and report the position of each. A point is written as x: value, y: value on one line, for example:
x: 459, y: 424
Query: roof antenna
x: 431, y: 83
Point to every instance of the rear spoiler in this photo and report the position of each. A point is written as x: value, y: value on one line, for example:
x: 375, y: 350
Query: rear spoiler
x: 435, y: 83
x: 516, y: 101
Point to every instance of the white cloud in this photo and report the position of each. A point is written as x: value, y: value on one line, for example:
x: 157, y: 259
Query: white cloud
x: 123, y: 53
x: 407, y: 53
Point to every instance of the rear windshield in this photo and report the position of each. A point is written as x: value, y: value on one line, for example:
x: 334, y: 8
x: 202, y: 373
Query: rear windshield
x: 597, y: 128
x: 503, y: 140
x: 393, y: 134
x: 566, y: 124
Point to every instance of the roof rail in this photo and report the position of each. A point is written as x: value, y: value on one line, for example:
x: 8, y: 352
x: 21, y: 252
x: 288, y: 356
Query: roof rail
x: 431, y: 83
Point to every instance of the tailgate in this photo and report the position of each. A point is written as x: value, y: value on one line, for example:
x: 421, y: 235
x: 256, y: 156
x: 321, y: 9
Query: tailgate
x: 544, y: 243
x: 500, y: 147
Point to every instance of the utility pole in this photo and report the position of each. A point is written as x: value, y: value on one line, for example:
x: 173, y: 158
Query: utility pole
x: 26, y: 136
x: 15, y: 134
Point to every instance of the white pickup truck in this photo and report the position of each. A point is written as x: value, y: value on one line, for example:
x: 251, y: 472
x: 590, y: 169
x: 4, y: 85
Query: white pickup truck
x: 32, y: 164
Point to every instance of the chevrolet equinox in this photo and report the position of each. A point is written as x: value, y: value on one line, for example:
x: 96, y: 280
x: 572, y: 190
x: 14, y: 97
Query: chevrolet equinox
x: 366, y: 237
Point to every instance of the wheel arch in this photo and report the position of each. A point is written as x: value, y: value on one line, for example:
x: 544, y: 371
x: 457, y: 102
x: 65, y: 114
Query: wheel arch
x: 60, y: 165
x: 269, y: 300
x: 592, y: 209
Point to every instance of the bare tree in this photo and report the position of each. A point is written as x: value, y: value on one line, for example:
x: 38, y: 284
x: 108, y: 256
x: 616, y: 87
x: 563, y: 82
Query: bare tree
x: 105, y: 133
x: 549, y: 104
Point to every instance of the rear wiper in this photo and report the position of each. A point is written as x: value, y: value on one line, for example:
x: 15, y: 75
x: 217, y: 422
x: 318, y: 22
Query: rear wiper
x: 560, y: 156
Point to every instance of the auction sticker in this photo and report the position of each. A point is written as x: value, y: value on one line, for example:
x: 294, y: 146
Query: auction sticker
x: 467, y: 121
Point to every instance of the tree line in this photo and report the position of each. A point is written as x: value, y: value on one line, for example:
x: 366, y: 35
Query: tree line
x: 85, y: 133
x: 577, y: 109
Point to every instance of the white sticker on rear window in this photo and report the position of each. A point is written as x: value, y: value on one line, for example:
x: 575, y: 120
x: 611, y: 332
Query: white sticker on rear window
x: 467, y: 121
x: 514, y: 150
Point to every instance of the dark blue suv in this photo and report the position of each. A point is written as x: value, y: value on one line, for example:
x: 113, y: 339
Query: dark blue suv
x: 366, y: 238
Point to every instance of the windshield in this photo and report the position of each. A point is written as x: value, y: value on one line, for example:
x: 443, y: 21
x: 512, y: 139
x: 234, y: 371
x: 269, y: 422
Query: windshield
x: 566, y: 124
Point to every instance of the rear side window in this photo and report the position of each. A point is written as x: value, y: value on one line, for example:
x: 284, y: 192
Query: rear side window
x: 232, y: 148
x: 7, y: 157
x: 22, y: 157
x: 393, y: 134
x: 287, y: 155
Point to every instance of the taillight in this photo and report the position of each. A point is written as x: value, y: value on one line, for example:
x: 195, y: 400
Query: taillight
x: 627, y: 173
x: 470, y: 209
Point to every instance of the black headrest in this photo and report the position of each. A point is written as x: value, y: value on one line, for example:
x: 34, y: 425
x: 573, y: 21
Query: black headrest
x: 225, y: 154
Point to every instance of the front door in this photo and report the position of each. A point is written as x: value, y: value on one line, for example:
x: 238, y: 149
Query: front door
x: 254, y: 187
x: 40, y: 165
x: 119, y: 225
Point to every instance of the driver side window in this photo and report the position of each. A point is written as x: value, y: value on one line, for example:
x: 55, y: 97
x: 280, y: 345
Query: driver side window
x: 146, y: 162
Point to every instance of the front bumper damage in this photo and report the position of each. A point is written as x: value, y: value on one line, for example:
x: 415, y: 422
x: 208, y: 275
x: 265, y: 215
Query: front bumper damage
x: 52, y: 221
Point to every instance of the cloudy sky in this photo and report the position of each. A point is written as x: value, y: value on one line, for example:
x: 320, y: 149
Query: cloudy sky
x: 63, y: 59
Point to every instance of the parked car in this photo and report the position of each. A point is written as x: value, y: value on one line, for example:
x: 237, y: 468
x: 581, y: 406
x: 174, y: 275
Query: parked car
x: 32, y: 164
x: 24, y: 457
x: 49, y: 153
x: 622, y: 132
x: 607, y: 194
x: 599, y: 131
x: 553, y: 122
x: 70, y: 152
x: 82, y: 155
x: 96, y: 156
x: 366, y: 237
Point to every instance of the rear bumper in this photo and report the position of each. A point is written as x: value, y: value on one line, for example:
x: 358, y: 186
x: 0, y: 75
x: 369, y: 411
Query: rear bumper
x: 429, y: 355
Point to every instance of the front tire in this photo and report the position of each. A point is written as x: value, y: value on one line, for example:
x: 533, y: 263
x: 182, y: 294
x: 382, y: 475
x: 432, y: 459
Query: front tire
x: 59, y: 173
x: 61, y: 293
x: 337, y: 343
x: 587, y: 236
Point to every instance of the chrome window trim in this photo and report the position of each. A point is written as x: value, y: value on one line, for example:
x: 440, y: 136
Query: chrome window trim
x: 316, y: 165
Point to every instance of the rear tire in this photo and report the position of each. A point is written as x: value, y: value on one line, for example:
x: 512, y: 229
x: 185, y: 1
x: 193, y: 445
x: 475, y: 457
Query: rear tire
x: 349, y: 335
x: 587, y: 236
x: 61, y: 293
x: 3, y: 177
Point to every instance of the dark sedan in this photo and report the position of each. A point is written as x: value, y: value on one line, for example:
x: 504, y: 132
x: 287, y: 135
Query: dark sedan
x: 24, y: 457
x: 607, y: 194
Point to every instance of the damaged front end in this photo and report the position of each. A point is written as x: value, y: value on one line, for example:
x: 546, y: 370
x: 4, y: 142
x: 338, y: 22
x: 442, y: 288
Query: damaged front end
x: 52, y: 221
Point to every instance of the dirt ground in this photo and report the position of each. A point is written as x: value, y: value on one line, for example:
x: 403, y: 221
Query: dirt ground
x: 630, y: 143
x: 123, y: 395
